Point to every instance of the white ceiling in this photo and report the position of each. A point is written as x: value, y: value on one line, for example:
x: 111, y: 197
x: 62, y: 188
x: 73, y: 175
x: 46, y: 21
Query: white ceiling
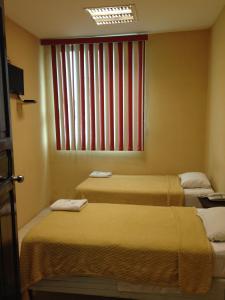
x: 66, y: 18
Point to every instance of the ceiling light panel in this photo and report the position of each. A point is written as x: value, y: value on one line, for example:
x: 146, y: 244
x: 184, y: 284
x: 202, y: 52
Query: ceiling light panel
x: 113, y: 14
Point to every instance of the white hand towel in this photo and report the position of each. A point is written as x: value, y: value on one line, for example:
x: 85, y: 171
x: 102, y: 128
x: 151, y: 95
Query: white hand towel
x: 69, y: 204
x: 100, y: 174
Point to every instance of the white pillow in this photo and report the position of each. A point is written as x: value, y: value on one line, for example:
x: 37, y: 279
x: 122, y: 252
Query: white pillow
x: 214, y: 222
x: 191, y: 180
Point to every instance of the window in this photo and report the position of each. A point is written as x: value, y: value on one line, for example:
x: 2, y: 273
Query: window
x: 98, y: 93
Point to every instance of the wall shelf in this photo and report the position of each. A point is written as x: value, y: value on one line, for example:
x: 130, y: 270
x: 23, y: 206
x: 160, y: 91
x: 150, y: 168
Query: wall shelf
x: 19, y: 99
x: 27, y: 101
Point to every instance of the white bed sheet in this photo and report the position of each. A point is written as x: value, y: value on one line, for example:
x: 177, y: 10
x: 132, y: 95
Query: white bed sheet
x: 191, y: 196
x: 219, y: 257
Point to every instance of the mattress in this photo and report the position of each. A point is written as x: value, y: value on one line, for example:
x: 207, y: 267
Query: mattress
x: 191, y: 196
x: 159, y: 190
x: 133, y: 243
x: 218, y: 248
x: 121, y: 289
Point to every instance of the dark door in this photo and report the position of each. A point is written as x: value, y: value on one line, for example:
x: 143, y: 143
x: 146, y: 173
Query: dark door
x: 9, y: 262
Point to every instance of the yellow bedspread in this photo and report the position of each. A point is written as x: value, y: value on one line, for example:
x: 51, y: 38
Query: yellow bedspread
x: 161, y: 190
x: 164, y: 246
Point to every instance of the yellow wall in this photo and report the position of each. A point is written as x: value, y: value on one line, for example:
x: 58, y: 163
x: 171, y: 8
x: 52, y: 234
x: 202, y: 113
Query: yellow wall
x: 30, y: 149
x: 183, y: 132
x: 175, y: 107
x: 216, y: 106
x: 175, y: 113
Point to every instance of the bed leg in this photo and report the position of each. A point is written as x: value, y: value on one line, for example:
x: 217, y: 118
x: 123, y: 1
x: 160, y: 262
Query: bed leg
x: 30, y: 293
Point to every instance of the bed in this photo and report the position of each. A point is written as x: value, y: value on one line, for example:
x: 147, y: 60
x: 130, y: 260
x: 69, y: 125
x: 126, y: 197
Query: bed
x: 128, y: 228
x: 162, y: 190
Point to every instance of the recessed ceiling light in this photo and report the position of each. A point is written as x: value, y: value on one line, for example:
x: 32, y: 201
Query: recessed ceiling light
x: 113, y: 14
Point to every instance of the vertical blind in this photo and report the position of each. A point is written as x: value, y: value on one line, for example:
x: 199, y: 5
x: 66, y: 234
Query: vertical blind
x: 99, y: 94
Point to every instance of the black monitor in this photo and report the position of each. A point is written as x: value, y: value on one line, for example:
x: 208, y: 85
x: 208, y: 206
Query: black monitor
x: 16, y: 84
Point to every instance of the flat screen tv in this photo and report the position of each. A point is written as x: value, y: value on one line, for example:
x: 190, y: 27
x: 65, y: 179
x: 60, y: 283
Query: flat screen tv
x: 16, y: 84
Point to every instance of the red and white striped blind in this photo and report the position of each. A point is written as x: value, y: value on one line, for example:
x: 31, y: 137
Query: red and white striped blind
x: 98, y: 95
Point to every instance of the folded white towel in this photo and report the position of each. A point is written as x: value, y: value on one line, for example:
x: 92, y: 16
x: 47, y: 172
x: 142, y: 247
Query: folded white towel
x: 100, y: 174
x: 69, y: 204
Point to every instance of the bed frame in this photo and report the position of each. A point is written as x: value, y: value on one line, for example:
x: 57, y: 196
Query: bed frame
x: 108, y: 288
